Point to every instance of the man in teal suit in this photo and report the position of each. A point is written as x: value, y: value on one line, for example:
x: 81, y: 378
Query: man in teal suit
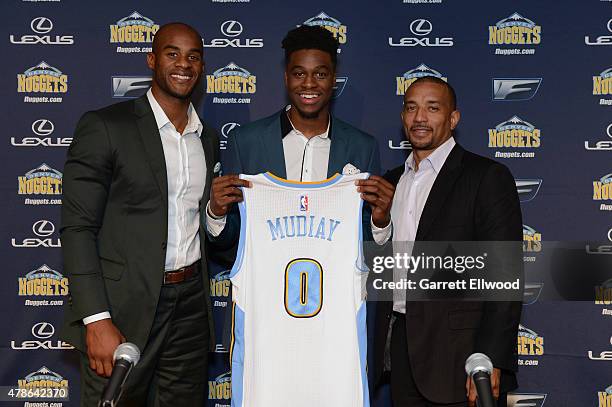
x: 302, y: 142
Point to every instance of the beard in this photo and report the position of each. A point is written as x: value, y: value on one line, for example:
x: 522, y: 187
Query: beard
x: 308, y: 115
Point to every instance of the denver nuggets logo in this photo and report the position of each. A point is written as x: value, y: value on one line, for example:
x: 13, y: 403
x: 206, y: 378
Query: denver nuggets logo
x: 134, y: 28
x: 515, y: 30
x: 44, y: 281
x: 404, y: 81
x: 602, y: 83
x: 330, y: 24
x: 231, y: 79
x: 42, y: 180
x: 605, y: 397
x: 603, y: 293
x: 529, y: 343
x: 602, y: 189
x: 42, y: 78
x: 221, y: 387
x: 514, y: 132
x: 43, y: 378
x: 220, y: 284
x: 532, y: 240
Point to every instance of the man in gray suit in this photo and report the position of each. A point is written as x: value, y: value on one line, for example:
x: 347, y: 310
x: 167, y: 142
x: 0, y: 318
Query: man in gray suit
x: 136, y: 180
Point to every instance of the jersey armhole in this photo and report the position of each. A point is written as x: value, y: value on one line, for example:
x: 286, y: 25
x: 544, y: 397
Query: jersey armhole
x: 242, y: 237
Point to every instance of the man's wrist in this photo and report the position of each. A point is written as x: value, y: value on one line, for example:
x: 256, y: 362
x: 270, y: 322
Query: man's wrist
x: 96, y: 317
x: 211, y: 214
x: 385, y: 223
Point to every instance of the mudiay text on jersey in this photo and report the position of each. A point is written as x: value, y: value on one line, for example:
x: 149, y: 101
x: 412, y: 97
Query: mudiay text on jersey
x: 302, y: 226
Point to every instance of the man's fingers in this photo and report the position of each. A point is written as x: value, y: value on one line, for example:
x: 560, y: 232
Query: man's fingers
x: 377, y: 188
x: 369, y: 198
x: 375, y: 200
x: 471, y: 393
x: 108, y: 367
x: 230, y: 180
x: 495, y: 378
x: 229, y: 192
x: 376, y: 180
x: 229, y: 199
x: 92, y: 362
x: 376, y: 191
x: 99, y: 368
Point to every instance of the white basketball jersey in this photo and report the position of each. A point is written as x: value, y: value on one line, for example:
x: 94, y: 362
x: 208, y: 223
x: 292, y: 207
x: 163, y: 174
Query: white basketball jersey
x: 298, y: 286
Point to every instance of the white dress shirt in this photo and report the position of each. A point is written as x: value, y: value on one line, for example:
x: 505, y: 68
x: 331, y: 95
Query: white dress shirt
x: 186, y: 175
x: 411, y: 194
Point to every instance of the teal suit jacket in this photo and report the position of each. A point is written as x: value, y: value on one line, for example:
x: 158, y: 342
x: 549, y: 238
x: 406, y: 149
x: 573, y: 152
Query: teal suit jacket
x: 257, y: 147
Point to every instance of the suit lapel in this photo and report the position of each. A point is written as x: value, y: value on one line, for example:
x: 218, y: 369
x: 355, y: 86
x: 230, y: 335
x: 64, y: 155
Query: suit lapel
x: 439, y: 191
x: 209, y: 156
x: 272, y: 148
x: 338, y: 151
x: 152, y: 144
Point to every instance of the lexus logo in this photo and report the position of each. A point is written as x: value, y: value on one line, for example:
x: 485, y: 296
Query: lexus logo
x: 231, y: 28
x: 43, y: 330
x: 610, y: 239
x: 420, y: 27
x: 610, y: 25
x: 43, y: 127
x: 41, y: 25
x: 227, y: 128
x: 43, y: 228
x: 609, y: 130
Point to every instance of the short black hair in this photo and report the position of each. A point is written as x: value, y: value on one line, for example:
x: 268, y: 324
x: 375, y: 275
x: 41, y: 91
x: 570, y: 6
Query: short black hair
x: 310, y: 37
x: 439, y: 81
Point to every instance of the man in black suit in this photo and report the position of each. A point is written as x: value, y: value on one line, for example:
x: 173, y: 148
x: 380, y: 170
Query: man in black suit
x: 445, y: 193
x: 136, y: 183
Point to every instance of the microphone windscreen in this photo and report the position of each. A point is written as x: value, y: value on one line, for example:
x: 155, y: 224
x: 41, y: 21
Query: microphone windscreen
x: 478, y: 362
x: 127, y: 351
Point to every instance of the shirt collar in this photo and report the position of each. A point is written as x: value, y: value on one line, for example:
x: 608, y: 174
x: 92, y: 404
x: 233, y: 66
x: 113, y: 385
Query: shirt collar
x: 193, y: 121
x: 287, y: 126
x: 436, y: 159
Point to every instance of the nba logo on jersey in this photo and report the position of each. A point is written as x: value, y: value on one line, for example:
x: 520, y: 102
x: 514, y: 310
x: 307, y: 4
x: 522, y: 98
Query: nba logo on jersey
x: 304, y: 203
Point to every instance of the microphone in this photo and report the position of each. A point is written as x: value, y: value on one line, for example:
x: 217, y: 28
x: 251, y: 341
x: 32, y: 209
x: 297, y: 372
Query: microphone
x: 125, y: 357
x: 479, y: 367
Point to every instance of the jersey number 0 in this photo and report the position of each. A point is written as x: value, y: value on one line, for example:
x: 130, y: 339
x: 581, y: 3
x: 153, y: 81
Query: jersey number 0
x: 303, y: 288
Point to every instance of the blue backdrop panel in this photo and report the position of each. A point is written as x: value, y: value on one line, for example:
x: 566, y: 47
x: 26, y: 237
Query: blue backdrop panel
x: 540, y: 102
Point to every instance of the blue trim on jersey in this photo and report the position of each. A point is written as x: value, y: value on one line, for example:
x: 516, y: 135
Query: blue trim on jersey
x: 238, y: 358
x: 362, y: 335
x: 302, y: 185
x: 360, y: 262
x: 242, y: 238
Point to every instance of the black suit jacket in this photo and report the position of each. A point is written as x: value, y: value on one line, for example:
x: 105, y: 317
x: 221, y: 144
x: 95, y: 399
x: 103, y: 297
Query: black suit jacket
x: 114, y: 219
x: 472, y: 199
